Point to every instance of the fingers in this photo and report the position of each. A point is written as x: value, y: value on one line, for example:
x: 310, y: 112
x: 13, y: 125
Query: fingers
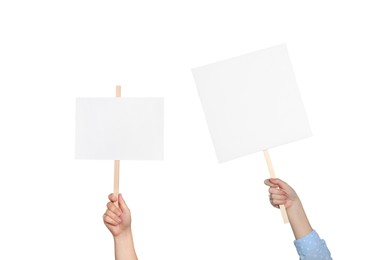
x: 276, y: 191
x: 277, y: 200
x: 111, y: 218
x: 113, y: 213
x: 112, y: 207
x: 277, y: 197
x: 269, y: 183
x: 109, y: 221
x: 112, y: 197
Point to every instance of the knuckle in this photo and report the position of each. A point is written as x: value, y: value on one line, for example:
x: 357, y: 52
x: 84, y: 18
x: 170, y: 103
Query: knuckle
x: 108, y: 204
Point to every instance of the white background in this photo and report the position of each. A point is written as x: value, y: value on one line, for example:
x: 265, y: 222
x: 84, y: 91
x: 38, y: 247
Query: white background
x: 189, y: 206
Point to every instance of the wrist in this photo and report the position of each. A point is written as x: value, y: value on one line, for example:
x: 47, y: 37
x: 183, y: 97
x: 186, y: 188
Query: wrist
x: 298, y: 219
x: 295, y: 205
x: 124, y: 235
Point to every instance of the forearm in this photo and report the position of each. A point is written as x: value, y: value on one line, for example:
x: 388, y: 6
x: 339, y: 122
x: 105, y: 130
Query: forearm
x: 124, y: 247
x: 308, y: 243
x: 298, y: 220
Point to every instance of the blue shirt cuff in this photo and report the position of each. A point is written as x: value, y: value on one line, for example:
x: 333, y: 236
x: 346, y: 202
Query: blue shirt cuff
x: 312, y: 246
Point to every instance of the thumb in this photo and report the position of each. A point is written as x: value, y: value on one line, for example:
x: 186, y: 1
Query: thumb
x: 283, y: 185
x: 122, y: 203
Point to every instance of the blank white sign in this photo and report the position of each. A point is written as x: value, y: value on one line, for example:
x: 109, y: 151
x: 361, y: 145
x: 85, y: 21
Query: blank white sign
x: 251, y: 102
x: 119, y: 128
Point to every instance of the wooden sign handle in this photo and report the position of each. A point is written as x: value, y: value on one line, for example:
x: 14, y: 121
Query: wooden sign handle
x: 272, y: 174
x: 116, y: 162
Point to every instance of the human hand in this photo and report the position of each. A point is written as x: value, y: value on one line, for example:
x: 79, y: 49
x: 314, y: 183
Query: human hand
x: 280, y: 193
x: 117, y: 218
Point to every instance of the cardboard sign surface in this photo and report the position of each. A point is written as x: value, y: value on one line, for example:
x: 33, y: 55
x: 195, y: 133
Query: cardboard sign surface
x: 251, y: 102
x: 119, y: 128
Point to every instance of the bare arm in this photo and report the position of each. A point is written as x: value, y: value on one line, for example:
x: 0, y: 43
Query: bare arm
x: 308, y: 243
x: 124, y: 247
x: 282, y: 194
x: 118, y: 222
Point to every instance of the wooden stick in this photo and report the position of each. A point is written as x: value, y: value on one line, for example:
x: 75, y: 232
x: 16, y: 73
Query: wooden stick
x: 118, y: 91
x: 272, y: 174
x: 116, y: 162
x: 116, y: 179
